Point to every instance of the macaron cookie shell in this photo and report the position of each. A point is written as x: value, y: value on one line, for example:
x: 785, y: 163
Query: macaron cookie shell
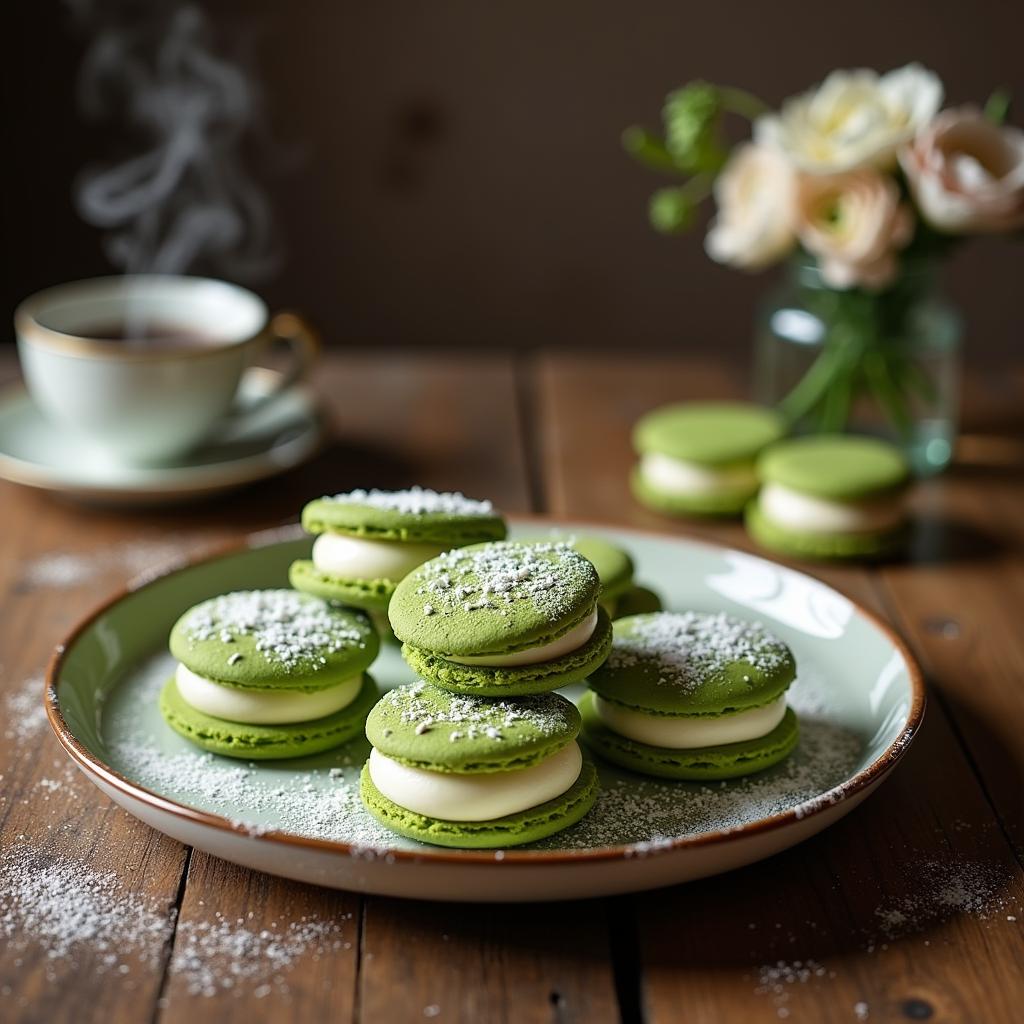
x: 506, y: 618
x: 713, y: 682
x: 613, y: 564
x: 424, y: 726
x: 273, y: 639
x: 265, y: 742
x: 415, y: 515
x: 697, y: 458
x: 831, y: 497
x: 475, y: 772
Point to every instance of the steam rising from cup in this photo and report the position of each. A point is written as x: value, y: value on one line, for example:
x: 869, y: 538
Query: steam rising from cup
x: 183, y: 199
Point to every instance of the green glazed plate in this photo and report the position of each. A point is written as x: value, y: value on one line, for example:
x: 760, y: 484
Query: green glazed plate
x: 858, y: 694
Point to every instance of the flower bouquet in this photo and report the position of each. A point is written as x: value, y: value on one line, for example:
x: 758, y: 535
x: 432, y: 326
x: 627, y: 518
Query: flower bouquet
x: 864, y: 183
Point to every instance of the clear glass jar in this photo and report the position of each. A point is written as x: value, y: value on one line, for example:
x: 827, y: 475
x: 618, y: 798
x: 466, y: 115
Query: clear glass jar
x: 884, y: 363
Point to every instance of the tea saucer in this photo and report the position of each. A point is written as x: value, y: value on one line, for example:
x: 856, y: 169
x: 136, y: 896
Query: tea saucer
x: 255, y: 445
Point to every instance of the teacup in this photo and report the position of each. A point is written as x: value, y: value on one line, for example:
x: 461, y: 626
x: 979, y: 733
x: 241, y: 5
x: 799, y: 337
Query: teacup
x: 145, y: 367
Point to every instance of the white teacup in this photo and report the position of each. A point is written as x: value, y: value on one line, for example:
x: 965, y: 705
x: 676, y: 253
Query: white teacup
x: 152, y: 399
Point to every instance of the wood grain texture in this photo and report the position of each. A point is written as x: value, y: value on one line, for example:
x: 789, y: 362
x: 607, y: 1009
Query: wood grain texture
x: 51, y: 818
x: 877, y: 915
x: 507, y: 964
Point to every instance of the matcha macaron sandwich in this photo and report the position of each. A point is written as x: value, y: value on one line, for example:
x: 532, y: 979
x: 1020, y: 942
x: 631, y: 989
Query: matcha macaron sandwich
x: 620, y: 595
x: 697, y: 458
x: 502, y: 619
x: 367, y: 541
x: 829, y: 497
x: 475, y: 772
x: 270, y: 674
x: 691, y: 695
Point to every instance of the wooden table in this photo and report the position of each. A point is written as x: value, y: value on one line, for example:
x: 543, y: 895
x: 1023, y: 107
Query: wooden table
x: 550, y: 434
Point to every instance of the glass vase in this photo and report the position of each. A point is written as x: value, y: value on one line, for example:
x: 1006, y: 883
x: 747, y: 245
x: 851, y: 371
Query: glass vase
x: 885, y: 363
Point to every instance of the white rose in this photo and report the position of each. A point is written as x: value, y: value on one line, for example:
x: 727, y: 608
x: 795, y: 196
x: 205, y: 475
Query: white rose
x: 853, y: 119
x: 755, y: 194
x: 855, y: 224
x: 966, y: 173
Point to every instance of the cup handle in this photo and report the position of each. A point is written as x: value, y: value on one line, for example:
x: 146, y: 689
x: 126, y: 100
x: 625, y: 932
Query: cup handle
x: 296, y: 334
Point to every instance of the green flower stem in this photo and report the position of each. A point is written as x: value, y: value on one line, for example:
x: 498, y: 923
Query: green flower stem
x: 743, y: 103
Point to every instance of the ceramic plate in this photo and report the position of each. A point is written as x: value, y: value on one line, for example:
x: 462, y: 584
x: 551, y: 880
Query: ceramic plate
x: 259, y: 444
x: 858, y: 693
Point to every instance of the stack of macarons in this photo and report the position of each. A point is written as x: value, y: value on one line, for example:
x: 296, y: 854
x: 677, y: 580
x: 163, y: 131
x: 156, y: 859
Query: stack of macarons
x: 367, y: 541
x: 270, y: 674
x: 692, y: 695
x: 830, y: 496
x: 698, y: 458
x: 491, y: 629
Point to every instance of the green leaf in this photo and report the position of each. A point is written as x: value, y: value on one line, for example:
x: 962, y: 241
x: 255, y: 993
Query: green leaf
x: 648, y: 148
x: 692, y: 117
x: 997, y: 106
x: 671, y: 210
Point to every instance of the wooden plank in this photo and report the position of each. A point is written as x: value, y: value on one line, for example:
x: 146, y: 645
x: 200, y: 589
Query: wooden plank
x: 250, y: 946
x: 960, y: 600
x: 519, y: 964
x: 899, y: 911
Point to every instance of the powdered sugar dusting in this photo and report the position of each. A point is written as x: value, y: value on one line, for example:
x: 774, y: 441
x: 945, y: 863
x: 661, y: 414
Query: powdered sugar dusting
x: 689, y: 647
x: 294, y: 629
x: 79, y: 915
x: 416, y: 501
x: 470, y: 717
x: 497, y: 575
x: 215, y: 957
x: 650, y: 813
x: 72, y: 911
x: 68, y: 569
x: 24, y: 713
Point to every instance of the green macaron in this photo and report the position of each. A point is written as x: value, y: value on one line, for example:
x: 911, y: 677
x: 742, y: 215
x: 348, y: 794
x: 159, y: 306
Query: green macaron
x: 619, y: 594
x: 838, y: 470
x: 266, y: 742
x: 720, y: 438
x: 429, y: 729
x: 273, y: 640
x: 462, y: 616
x: 692, y: 667
x: 416, y: 516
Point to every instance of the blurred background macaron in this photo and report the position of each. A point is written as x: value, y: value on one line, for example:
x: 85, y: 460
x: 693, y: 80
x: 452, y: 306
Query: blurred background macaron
x: 698, y: 458
x: 831, y: 497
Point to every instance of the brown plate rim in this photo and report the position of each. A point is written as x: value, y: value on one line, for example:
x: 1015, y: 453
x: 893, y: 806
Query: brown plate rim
x: 859, y: 782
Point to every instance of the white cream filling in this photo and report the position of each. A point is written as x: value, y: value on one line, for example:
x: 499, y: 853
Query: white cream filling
x: 480, y: 797
x: 565, y: 644
x: 264, y: 707
x: 688, y: 732
x: 797, y: 511
x: 677, y: 476
x: 360, y: 559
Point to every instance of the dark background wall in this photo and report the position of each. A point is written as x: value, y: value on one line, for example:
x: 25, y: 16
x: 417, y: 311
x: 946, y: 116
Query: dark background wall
x: 460, y: 179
